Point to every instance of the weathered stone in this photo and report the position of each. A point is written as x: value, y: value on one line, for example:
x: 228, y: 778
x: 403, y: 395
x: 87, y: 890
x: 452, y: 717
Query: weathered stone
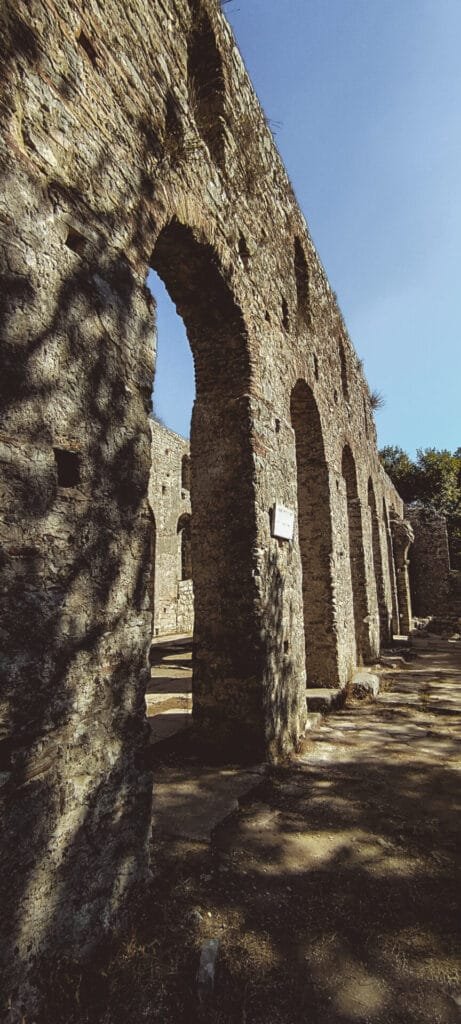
x: 402, y: 537
x: 391, y: 661
x: 207, y: 967
x: 435, y: 586
x: 169, y: 498
x: 324, y: 700
x: 364, y: 684
x: 313, y: 720
x: 132, y: 139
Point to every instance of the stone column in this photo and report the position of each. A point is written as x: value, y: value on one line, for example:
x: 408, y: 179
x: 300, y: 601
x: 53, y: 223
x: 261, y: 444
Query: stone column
x: 366, y: 623
x: 394, y: 609
x: 402, y: 537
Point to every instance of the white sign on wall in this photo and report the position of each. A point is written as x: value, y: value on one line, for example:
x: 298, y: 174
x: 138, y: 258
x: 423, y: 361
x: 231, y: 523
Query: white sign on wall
x: 283, y: 522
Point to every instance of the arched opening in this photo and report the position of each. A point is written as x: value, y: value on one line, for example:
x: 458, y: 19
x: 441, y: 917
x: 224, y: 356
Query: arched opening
x: 227, y: 693
x: 315, y: 538
x: 356, y: 557
x: 302, y: 282
x: 205, y: 81
x: 385, y: 621
x: 343, y: 364
x: 392, y: 573
x: 185, y: 547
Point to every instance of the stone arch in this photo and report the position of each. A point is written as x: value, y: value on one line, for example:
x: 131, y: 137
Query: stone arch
x: 315, y: 537
x: 385, y: 621
x: 184, y: 533
x: 227, y: 692
x: 205, y: 82
x: 356, y: 556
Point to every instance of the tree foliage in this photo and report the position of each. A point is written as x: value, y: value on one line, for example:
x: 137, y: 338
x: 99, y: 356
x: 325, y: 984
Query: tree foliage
x: 434, y: 480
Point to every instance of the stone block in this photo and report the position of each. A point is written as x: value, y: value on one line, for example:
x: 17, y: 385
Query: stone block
x: 323, y: 699
x: 363, y: 685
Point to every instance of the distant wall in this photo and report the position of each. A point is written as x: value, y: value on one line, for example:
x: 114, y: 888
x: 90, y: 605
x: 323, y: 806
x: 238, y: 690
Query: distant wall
x: 429, y: 562
x: 169, y: 499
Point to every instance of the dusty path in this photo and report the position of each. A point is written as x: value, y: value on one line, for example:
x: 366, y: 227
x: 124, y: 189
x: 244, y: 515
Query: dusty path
x: 335, y: 888
x: 345, y: 870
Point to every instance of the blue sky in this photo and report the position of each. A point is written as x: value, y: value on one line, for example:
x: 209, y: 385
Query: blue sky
x: 365, y: 99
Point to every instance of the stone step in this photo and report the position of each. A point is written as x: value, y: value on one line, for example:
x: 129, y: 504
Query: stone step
x: 323, y: 699
x: 314, y: 720
x: 364, y: 685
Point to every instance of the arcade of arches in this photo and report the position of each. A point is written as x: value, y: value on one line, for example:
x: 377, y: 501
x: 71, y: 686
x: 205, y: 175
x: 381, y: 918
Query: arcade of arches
x: 161, y: 158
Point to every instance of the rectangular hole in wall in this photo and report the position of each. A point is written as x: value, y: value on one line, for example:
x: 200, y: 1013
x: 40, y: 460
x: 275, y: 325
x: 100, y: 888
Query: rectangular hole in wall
x: 68, y: 467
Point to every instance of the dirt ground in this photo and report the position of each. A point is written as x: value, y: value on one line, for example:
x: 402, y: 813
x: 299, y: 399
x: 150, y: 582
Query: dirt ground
x: 333, y: 890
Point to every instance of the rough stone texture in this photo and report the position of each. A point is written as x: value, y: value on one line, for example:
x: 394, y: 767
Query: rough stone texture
x: 364, y: 684
x: 402, y: 538
x: 433, y: 583
x: 169, y: 499
x: 131, y: 138
x: 324, y: 699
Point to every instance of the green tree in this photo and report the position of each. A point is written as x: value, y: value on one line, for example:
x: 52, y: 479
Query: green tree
x: 434, y: 479
x: 437, y: 482
x: 401, y: 470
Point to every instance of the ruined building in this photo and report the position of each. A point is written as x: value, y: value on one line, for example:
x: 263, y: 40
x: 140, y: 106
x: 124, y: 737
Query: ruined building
x: 172, y: 595
x: 435, y: 585
x: 132, y: 139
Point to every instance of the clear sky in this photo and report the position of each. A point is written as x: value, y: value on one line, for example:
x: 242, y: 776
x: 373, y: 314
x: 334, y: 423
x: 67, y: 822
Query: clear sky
x: 365, y: 97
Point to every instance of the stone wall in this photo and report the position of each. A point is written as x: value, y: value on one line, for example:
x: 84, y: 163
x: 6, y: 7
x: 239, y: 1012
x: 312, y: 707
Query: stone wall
x: 169, y: 499
x: 131, y: 138
x: 429, y: 562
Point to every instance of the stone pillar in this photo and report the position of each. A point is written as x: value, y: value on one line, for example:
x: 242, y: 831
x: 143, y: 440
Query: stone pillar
x: 394, y: 609
x: 402, y: 537
x: 367, y: 630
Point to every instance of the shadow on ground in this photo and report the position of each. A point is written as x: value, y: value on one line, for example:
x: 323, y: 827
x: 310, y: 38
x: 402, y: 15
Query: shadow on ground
x: 333, y: 889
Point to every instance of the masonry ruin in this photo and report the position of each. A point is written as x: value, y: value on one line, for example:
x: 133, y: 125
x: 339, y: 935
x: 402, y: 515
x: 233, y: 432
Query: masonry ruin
x: 435, y: 585
x: 132, y: 139
x: 172, y: 593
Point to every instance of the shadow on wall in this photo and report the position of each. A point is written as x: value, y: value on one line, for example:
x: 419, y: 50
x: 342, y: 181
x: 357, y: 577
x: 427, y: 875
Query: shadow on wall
x: 356, y: 557
x: 385, y: 615
x: 227, y: 651
x: 285, y: 690
x: 76, y: 814
x: 315, y: 538
x: 77, y: 379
